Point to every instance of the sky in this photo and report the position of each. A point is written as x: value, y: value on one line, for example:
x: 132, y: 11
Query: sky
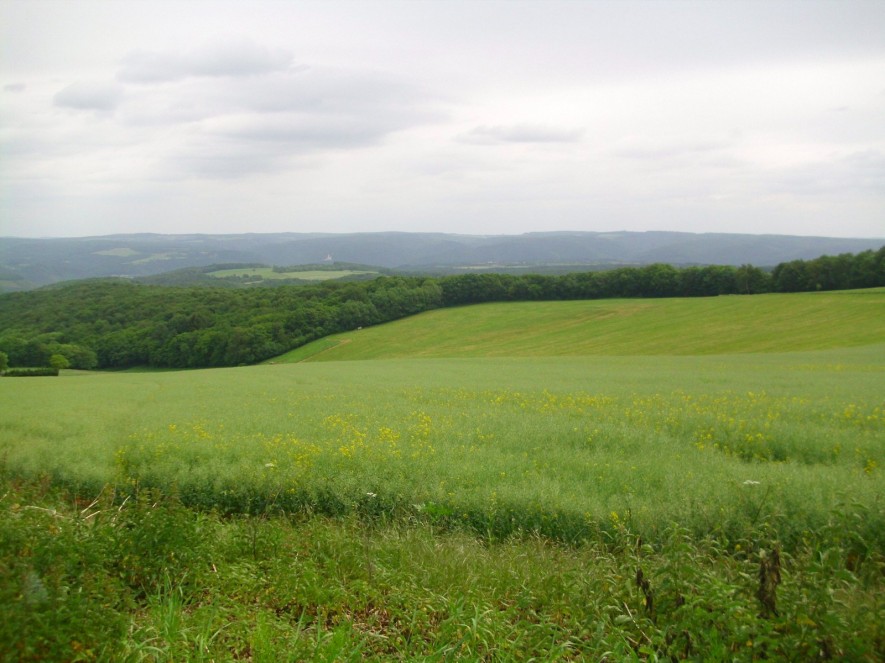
x: 477, y: 117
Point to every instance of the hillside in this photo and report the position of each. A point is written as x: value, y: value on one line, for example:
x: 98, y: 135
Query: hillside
x: 119, y: 323
x: 28, y: 263
x: 695, y: 326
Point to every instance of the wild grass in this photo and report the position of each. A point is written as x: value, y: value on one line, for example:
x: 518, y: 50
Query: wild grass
x: 556, y: 508
x: 148, y: 579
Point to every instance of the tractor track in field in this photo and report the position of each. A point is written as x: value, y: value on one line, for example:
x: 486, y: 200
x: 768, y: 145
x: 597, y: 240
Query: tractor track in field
x: 343, y: 341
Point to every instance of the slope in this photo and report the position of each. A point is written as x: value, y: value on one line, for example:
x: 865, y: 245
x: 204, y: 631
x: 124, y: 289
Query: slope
x: 696, y: 326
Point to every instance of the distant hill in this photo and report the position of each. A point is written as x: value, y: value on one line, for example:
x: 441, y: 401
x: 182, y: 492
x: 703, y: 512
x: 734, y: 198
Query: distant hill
x: 29, y: 263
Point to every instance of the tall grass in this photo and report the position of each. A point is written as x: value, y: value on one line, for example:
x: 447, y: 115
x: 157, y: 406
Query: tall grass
x: 567, y: 448
x: 148, y: 580
x: 721, y: 507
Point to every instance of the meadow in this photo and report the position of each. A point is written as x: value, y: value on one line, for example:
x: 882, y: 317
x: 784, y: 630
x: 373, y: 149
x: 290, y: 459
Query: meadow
x: 677, y: 326
x: 623, y: 503
x: 262, y: 273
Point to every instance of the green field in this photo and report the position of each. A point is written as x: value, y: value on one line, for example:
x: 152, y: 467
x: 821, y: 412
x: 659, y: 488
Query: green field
x: 121, y: 252
x: 552, y: 444
x: 486, y: 489
x: 696, y: 326
x: 262, y: 273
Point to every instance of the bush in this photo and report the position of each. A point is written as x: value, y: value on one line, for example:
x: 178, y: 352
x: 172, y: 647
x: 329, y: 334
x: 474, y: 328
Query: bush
x: 30, y: 372
x: 57, y: 600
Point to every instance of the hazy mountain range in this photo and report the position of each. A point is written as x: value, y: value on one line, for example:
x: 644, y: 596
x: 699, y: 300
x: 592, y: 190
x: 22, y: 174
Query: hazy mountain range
x: 28, y: 263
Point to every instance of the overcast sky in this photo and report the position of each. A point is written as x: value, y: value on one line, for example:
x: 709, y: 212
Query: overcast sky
x: 468, y: 117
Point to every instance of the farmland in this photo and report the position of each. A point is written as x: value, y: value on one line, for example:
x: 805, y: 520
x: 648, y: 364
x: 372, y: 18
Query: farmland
x: 678, y: 326
x: 263, y: 273
x: 560, y: 480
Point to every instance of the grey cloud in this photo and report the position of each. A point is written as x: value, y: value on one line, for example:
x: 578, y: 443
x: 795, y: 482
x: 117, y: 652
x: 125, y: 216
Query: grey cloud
x: 520, y: 133
x: 19, y: 143
x: 14, y: 87
x: 858, y: 171
x: 273, y: 122
x: 241, y: 59
x: 386, y: 103
x: 224, y: 160
x: 869, y: 168
x: 319, y: 91
x: 143, y: 67
x: 234, y: 59
x: 306, y: 131
x: 225, y: 127
x: 233, y: 146
x: 89, y: 96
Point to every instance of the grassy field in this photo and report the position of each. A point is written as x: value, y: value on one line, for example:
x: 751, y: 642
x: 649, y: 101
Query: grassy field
x: 607, y: 501
x: 696, y: 326
x: 262, y: 273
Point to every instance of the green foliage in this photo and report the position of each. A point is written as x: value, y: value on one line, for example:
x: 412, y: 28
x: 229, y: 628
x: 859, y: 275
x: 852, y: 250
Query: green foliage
x: 59, y: 362
x: 862, y: 270
x: 57, y: 599
x: 114, y: 324
x: 4, y: 361
x: 119, y: 324
x: 73, y: 569
x: 548, y: 508
x: 114, y: 579
x: 31, y: 372
x: 39, y: 351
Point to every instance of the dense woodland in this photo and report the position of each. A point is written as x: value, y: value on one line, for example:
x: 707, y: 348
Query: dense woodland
x: 117, y: 323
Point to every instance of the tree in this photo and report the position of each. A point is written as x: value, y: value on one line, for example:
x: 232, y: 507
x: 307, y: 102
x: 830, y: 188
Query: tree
x: 4, y: 362
x: 59, y: 362
x: 657, y: 280
x: 750, y: 280
x: 14, y: 349
x: 791, y: 277
x: 35, y: 354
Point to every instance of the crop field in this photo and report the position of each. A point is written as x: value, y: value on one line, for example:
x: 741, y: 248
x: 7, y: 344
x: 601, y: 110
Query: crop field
x: 626, y: 500
x: 691, y: 326
x: 304, y: 275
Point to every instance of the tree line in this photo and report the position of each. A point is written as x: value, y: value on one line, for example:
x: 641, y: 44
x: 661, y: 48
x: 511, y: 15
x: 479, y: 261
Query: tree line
x: 117, y: 323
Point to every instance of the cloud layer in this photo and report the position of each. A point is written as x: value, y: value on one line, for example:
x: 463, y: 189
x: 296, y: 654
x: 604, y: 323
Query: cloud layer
x: 220, y: 60
x: 233, y: 109
x: 521, y: 133
x: 98, y: 96
x: 462, y: 117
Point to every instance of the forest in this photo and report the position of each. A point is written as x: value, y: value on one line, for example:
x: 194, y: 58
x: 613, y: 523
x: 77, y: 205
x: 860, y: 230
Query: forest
x: 119, y: 323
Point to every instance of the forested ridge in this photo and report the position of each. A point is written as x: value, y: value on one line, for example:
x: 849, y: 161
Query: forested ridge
x: 29, y: 263
x: 117, y: 323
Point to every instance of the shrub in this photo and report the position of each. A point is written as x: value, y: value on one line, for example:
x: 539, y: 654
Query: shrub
x: 30, y: 372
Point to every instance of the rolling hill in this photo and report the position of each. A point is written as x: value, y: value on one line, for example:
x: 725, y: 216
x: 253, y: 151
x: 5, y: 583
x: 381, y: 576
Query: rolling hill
x: 696, y: 326
x: 28, y: 263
